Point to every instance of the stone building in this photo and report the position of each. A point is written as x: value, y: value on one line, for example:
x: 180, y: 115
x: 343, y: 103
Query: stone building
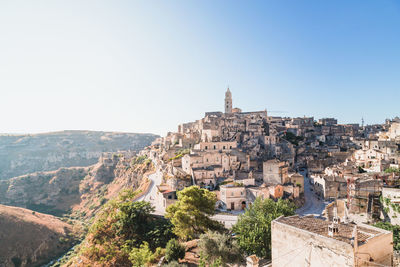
x: 308, y: 241
x: 276, y: 191
x: 216, y: 146
x: 275, y: 172
x: 165, y: 197
x: 330, y: 187
x: 327, y: 121
x: 364, y: 193
x: 291, y: 191
x: 255, y: 192
x: 394, y: 131
x: 208, y: 167
x: 234, y: 196
x: 297, y: 180
x: 207, y: 176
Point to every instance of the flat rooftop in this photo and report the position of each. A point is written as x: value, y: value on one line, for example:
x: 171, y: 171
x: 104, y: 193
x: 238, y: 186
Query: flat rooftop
x: 320, y: 227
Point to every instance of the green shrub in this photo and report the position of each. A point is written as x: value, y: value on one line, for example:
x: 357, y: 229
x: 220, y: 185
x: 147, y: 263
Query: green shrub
x: 392, y: 170
x: 219, y: 249
x: 253, y: 228
x: 103, y: 200
x: 141, y: 256
x: 174, y: 251
x: 17, y: 261
x: 138, y: 160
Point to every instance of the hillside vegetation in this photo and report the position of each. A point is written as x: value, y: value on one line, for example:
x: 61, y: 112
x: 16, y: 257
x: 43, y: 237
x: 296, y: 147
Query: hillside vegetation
x: 124, y: 233
x: 22, y: 154
x: 30, y: 238
x: 76, y: 194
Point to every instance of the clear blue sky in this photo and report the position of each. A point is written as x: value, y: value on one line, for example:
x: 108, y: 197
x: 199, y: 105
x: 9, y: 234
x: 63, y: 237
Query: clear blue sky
x: 145, y: 66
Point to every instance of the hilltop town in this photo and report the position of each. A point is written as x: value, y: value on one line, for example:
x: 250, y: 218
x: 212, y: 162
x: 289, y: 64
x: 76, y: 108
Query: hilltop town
x: 342, y: 178
x: 234, y: 188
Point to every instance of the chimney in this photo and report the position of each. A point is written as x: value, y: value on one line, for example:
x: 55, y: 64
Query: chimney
x: 333, y: 228
x: 335, y: 216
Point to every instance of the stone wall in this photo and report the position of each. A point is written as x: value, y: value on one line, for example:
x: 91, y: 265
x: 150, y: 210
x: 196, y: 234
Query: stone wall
x: 295, y: 247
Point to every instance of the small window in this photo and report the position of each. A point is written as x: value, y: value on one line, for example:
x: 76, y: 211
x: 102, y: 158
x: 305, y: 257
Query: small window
x: 223, y: 147
x: 215, y: 147
x: 206, y: 147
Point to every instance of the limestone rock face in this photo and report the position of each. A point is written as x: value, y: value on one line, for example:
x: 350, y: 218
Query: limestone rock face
x: 50, y: 192
x: 76, y: 189
x: 22, y: 154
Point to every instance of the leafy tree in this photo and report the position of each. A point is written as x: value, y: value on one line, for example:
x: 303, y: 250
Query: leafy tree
x: 221, y: 249
x: 292, y: 138
x: 392, y: 170
x: 361, y: 170
x: 190, y: 215
x: 133, y: 221
x: 141, y: 256
x: 122, y: 226
x: 174, y: 251
x: 393, y: 228
x: 160, y: 233
x: 254, y: 226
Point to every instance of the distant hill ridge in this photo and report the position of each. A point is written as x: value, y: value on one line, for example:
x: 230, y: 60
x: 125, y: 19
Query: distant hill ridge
x: 27, y: 153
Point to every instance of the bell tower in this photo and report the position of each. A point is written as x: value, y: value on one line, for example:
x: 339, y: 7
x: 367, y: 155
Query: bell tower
x: 228, y: 101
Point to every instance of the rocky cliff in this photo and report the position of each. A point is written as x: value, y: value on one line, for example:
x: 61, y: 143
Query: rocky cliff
x: 52, y: 192
x: 79, y: 191
x: 22, y: 154
x: 30, y: 238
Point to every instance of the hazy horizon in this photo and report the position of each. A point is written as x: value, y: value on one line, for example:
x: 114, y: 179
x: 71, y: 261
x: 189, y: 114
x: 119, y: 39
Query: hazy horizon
x: 160, y: 134
x: 146, y: 66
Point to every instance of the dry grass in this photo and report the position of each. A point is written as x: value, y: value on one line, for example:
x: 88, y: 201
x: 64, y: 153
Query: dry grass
x: 31, y: 236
